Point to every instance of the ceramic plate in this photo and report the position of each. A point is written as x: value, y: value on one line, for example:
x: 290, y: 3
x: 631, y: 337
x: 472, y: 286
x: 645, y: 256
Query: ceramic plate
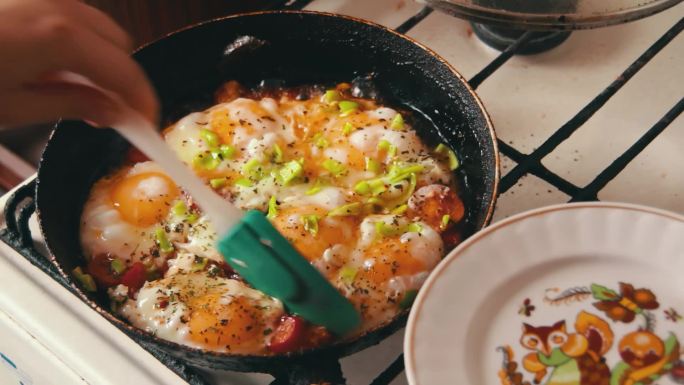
x: 581, y: 294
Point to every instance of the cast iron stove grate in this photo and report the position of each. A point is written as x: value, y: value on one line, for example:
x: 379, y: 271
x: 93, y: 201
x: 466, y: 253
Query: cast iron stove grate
x: 21, y: 206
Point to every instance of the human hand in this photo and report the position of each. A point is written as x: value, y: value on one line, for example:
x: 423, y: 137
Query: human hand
x: 40, y: 40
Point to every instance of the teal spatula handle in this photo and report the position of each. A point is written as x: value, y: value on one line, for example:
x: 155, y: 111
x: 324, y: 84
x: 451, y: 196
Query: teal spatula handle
x: 265, y: 259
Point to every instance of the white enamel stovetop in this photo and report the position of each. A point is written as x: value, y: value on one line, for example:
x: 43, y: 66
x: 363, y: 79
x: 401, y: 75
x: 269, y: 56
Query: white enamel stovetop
x: 52, y: 338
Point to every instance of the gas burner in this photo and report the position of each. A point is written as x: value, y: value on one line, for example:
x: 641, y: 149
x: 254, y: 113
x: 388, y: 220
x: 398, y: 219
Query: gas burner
x: 501, y: 38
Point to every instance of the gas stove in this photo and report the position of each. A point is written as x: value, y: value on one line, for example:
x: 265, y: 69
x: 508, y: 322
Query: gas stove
x: 596, y: 117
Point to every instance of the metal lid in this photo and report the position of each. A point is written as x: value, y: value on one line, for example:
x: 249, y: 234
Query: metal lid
x: 551, y: 15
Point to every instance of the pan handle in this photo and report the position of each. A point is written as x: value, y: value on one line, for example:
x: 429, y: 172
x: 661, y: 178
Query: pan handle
x: 21, y: 201
x: 323, y: 370
x: 17, y: 212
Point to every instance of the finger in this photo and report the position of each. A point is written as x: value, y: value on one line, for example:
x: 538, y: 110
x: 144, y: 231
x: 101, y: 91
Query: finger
x: 48, y: 103
x: 88, y: 54
x: 100, y: 23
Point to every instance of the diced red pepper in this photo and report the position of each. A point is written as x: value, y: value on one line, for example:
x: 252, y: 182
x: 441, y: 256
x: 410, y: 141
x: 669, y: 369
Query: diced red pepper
x: 289, y: 335
x: 136, y: 156
x: 227, y: 270
x: 134, y: 277
x: 100, y: 267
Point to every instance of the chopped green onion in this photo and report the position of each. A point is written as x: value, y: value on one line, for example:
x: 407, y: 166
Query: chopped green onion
x: 348, y: 274
x: 317, y: 186
x: 252, y: 169
x: 373, y: 186
x: 384, y: 145
x: 372, y: 165
x: 277, y: 155
x: 445, y: 221
x: 377, y: 186
x: 243, y: 182
x: 385, y: 230
x: 453, y: 161
x: 374, y: 201
x: 218, y: 182
x: 290, y: 171
x: 334, y: 167
x: 210, y: 138
x: 332, y: 96
x: 348, y: 128
x: 414, y: 227
x: 392, y: 152
x: 347, y: 107
x: 272, y: 207
x: 192, y: 218
x: 398, y: 173
x: 400, y: 210
x: 349, y: 209
x: 86, y: 280
x: 117, y: 266
x: 227, y: 151
x: 206, y: 161
x: 199, y: 264
x: 310, y: 223
x: 164, y: 244
x: 451, y: 155
x: 179, y: 209
x: 391, y: 149
x: 406, y: 195
x: 362, y: 188
x: 407, y: 300
x: 397, y: 122
x: 322, y: 142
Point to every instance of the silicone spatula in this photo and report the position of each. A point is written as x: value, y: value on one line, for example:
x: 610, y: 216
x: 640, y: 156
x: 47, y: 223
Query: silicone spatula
x: 248, y: 241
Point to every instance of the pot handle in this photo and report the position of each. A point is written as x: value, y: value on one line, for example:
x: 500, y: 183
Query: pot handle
x: 317, y: 371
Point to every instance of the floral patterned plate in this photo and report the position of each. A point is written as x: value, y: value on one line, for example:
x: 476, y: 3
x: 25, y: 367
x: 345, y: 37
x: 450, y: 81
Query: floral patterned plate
x: 579, y: 294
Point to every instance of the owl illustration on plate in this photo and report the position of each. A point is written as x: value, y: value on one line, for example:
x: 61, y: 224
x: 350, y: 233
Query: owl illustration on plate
x: 561, y: 356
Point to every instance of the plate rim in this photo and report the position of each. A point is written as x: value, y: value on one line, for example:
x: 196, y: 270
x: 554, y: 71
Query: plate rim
x: 409, y: 336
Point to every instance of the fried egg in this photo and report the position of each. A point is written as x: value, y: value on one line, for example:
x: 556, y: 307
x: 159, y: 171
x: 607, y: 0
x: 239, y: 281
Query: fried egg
x: 206, y: 312
x: 123, y: 211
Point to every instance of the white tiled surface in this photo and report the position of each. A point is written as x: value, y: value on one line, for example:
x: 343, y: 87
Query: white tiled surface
x: 528, y: 99
x: 532, y: 96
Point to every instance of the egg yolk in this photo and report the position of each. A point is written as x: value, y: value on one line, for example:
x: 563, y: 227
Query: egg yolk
x: 391, y: 259
x: 310, y: 245
x: 144, y: 199
x: 234, y: 326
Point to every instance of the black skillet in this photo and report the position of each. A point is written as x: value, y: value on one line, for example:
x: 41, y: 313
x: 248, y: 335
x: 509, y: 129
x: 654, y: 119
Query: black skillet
x: 291, y: 48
